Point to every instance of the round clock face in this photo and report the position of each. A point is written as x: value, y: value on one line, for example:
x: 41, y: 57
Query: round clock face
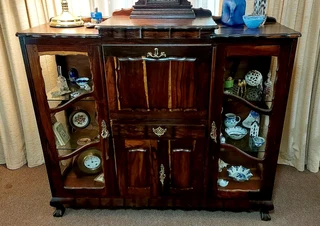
x: 89, y: 161
x: 92, y: 162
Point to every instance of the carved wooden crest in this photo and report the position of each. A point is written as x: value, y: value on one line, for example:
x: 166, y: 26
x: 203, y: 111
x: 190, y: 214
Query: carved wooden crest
x: 162, y: 9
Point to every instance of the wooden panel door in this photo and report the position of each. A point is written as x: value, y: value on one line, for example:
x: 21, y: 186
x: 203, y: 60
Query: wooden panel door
x: 137, y: 167
x: 158, y: 80
x: 169, y: 164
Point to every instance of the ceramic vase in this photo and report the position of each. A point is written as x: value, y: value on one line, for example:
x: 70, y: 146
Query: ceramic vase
x: 259, y: 7
x: 232, y: 12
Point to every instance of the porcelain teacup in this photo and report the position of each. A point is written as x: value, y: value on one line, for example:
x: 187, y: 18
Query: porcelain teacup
x: 231, y: 120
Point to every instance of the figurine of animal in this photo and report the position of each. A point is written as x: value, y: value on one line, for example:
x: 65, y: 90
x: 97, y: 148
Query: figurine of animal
x: 232, y: 12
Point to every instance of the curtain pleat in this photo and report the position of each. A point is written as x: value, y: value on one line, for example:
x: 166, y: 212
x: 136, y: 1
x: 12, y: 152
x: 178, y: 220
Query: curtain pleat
x: 299, y: 137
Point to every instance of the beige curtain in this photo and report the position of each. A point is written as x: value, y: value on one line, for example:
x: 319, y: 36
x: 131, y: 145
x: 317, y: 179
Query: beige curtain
x: 301, y: 136
x: 19, y: 139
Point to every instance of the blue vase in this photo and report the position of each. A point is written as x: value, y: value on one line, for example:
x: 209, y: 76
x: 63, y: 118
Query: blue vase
x: 73, y: 75
x: 232, y: 12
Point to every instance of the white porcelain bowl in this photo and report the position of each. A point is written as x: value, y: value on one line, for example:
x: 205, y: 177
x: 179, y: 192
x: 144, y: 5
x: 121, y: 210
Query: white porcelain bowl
x: 236, y: 132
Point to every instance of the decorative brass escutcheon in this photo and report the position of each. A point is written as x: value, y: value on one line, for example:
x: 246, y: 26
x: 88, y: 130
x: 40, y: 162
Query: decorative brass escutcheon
x: 213, y: 133
x: 104, y: 133
x: 156, y: 54
x: 162, y: 174
x: 159, y: 131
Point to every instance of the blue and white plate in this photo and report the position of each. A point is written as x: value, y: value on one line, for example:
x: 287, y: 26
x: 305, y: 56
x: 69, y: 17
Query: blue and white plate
x: 239, y: 173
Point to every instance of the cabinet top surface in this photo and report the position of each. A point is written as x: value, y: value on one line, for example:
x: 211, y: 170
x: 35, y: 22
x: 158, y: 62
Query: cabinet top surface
x: 269, y: 30
x: 126, y: 22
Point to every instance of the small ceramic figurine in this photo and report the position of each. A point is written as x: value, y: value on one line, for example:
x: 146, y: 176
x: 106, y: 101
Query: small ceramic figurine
x: 232, y: 12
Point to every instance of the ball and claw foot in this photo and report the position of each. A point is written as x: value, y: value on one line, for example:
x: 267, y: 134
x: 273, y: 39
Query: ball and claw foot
x: 265, y: 215
x: 59, y: 211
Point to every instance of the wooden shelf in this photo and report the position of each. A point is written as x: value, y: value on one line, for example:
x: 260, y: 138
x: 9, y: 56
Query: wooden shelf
x: 253, y: 184
x: 72, y: 181
x: 74, y: 137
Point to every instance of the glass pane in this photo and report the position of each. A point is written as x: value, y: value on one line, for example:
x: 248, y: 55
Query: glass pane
x: 84, y: 170
x: 251, y: 79
x: 74, y: 121
x: 76, y: 126
x: 66, y: 77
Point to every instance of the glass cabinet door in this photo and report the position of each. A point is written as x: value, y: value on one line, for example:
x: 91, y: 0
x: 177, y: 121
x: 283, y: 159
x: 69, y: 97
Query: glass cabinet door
x: 71, y: 116
x: 248, y: 87
x: 75, y: 121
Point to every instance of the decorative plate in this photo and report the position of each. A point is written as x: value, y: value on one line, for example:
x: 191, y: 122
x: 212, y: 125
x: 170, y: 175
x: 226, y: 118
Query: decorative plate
x: 236, y: 132
x: 239, y: 173
x: 79, y: 119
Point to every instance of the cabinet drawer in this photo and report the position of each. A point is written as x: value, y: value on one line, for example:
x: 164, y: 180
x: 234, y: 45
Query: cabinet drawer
x: 157, y: 131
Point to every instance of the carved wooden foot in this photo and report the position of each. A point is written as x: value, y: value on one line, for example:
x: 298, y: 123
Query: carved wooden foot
x: 60, y: 209
x: 265, y: 215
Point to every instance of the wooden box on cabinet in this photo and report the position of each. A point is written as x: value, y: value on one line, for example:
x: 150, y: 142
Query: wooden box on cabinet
x: 157, y: 107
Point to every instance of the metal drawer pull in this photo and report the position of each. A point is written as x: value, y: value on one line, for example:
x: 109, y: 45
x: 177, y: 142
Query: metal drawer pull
x: 181, y: 150
x: 138, y: 150
x: 162, y: 174
x: 159, y: 131
x: 156, y: 54
x: 104, y: 133
x: 213, y: 133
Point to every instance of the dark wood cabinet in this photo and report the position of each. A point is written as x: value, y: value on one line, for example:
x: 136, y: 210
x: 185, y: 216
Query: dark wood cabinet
x: 148, y: 129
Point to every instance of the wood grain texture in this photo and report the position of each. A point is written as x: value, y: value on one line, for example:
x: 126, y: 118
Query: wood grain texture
x: 149, y: 74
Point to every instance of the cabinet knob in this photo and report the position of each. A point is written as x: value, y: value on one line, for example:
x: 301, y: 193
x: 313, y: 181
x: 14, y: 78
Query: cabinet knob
x: 159, y: 131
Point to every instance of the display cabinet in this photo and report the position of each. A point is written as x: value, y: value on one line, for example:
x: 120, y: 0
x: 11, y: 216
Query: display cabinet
x: 160, y: 113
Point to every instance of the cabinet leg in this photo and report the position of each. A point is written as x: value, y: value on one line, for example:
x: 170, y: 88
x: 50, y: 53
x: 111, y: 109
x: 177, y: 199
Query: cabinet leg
x: 265, y: 215
x: 60, y: 209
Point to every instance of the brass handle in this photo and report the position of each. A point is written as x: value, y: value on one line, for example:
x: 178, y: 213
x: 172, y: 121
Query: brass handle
x: 104, y: 133
x: 213, y: 133
x: 156, y: 54
x: 181, y: 150
x: 162, y: 174
x: 138, y: 150
x: 159, y: 131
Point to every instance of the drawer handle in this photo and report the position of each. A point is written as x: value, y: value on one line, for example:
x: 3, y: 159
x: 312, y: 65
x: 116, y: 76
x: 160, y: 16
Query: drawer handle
x: 181, y: 150
x: 156, y: 54
x: 213, y: 133
x: 104, y: 133
x: 162, y: 174
x: 138, y: 150
x: 159, y: 131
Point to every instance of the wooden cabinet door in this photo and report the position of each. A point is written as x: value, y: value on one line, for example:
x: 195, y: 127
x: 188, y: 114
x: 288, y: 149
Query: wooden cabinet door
x: 150, y: 165
x: 158, y: 81
x: 137, y: 167
x: 184, y: 167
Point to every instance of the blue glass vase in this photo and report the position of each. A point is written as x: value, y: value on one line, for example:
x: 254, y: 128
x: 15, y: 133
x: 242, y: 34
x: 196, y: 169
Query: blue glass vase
x: 232, y: 12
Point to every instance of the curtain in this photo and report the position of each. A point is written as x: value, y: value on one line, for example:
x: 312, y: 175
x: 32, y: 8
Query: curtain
x: 300, y: 139
x: 19, y: 139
